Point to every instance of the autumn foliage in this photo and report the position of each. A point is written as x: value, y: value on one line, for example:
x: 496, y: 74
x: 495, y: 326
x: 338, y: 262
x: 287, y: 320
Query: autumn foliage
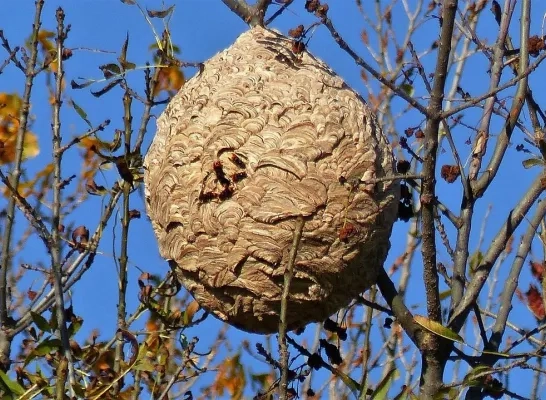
x: 459, y: 307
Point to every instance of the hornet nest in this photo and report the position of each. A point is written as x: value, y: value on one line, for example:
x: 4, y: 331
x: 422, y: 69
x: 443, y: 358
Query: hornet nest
x: 260, y: 137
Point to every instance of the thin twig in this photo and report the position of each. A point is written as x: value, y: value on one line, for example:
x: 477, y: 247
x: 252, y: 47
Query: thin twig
x: 55, y: 249
x: 28, y: 211
x: 360, y: 61
x: 492, y: 92
x: 363, y: 391
x: 10, y: 58
x: 6, y: 45
x: 277, y: 13
x: 288, y: 274
x: 503, y: 140
x: 511, y: 283
x: 5, y: 258
x: 373, y: 305
x: 498, y: 244
x: 77, y: 139
x: 124, y: 257
x: 72, y: 274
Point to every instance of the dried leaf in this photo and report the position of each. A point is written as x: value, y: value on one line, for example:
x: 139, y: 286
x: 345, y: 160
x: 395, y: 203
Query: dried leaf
x: 537, y: 269
x: 129, y: 337
x: 450, y: 173
x: 80, y: 237
x: 107, y: 88
x: 134, y: 214
x: 535, y: 302
x: 160, y: 13
x: 76, y: 85
x: 93, y: 189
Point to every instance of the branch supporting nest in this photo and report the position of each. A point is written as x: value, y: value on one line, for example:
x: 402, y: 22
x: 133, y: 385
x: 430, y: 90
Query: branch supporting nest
x: 252, y: 15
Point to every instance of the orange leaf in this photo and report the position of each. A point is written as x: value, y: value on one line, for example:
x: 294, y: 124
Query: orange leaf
x: 192, y: 308
x: 169, y: 79
x: 31, y: 148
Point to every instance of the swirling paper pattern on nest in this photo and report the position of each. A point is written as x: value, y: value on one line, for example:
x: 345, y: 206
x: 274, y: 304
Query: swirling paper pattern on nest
x: 259, y: 137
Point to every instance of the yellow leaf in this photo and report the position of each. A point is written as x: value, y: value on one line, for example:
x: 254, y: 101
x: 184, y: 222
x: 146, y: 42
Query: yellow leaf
x: 437, y: 328
x: 8, y: 141
x: 10, y: 104
x: 170, y: 79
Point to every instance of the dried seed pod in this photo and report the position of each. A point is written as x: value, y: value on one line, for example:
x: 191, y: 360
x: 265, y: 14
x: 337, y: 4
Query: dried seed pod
x: 296, y: 128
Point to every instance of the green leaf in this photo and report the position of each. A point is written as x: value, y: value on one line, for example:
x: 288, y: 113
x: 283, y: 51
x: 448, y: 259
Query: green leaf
x: 79, y: 390
x: 437, y: 329
x: 451, y: 393
x: 80, y: 112
x: 43, y: 348
x: 127, y: 65
x: 407, y: 88
x: 47, y: 346
x: 445, y: 294
x: 382, y: 389
x: 109, y: 70
x: 75, y: 326
x: 531, y: 162
x: 40, y: 322
x: 347, y: 380
x: 475, y: 260
x: 475, y: 377
x: 53, y: 319
x: 142, y: 365
x: 499, y: 354
x: 11, y: 387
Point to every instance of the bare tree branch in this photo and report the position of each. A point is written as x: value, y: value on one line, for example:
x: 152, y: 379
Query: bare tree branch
x: 511, y: 282
x: 241, y: 8
x: 360, y: 61
x: 399, y: 309
x: 252, y: 15
x: 498, y: 244
x: 503, y: 139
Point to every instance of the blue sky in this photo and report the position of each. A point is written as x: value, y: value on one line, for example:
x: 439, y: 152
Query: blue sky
x: 201, y: 28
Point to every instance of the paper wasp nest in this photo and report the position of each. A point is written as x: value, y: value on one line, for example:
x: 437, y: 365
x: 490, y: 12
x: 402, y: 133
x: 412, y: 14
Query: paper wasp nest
x: 259, y: 137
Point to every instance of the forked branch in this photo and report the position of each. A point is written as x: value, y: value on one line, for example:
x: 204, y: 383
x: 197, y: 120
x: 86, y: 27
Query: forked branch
x: 252, y: 15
